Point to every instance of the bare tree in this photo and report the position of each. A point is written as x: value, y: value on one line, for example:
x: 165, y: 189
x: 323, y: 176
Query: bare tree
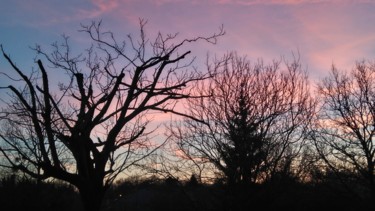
x: 254, y: 119
x: 344, y: 130
x: 94, y: 126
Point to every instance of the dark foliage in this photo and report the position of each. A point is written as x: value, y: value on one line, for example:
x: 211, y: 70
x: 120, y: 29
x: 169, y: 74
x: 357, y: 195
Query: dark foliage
x: 171, y: 194
x: 27, y: 194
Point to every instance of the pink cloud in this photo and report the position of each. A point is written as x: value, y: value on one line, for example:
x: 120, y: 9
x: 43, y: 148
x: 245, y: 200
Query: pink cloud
x: 100, y: 7
x: 337, y: 35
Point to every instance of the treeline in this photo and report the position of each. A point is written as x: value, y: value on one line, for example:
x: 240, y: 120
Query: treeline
x: 170, y: 194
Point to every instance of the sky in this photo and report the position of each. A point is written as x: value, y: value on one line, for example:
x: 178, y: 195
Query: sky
x: 323, y: 32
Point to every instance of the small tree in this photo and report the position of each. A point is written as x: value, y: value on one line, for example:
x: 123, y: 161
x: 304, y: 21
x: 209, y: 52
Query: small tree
x: 94, y: 126
x: 344, y: 130
x: 253, y: 120
x: 245, y: 152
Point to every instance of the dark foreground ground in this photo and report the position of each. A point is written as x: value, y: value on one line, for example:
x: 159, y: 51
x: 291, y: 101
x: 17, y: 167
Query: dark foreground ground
x: 171, y: 195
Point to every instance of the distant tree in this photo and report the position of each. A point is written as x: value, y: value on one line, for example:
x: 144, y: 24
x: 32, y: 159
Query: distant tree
x: 193, y: 181
x: 253, y: 120
x: 94, y: 126
x: 345, y: 127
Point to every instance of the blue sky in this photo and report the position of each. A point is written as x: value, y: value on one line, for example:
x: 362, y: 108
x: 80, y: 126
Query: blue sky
x: 323, y: 32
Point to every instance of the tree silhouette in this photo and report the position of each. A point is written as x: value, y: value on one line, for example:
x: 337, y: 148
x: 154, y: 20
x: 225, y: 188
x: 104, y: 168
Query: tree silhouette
x: 344, y: 129
x: 246, y: 154
x: 254, y: 119
x: 94, y: 126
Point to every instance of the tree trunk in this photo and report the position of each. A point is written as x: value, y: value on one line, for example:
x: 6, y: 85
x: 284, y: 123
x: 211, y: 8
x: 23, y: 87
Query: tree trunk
x: 92, y: 197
